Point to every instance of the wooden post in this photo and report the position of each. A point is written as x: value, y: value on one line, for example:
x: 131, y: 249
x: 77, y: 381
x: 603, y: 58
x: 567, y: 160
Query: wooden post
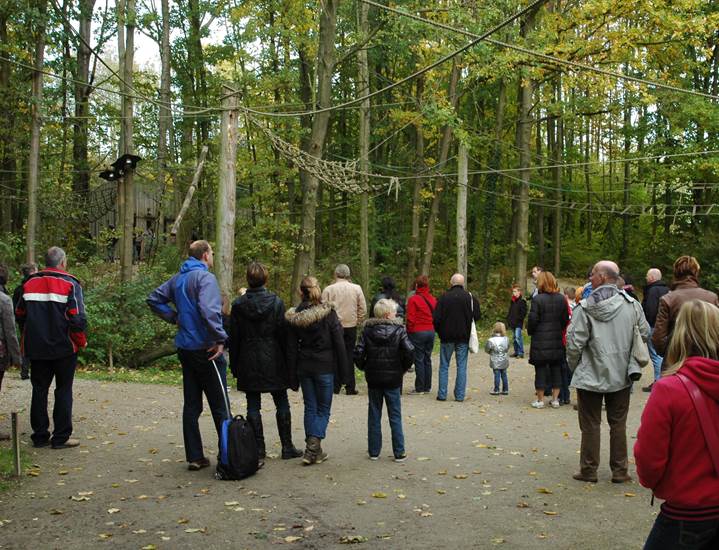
x: 226, y: 192
x: 462, y: 181
x: 190, y: 192
x: 16, y: 444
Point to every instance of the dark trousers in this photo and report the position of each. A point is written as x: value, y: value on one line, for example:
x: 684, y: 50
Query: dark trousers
x: 198, y: 377
x: 589, y: 406
x: 254, y: 402
x: 674, y: 534
x: 423, y: 345
x: 547, y: 375
x: 350, y: 338
x: 564, y: 395
x: 41, y: 376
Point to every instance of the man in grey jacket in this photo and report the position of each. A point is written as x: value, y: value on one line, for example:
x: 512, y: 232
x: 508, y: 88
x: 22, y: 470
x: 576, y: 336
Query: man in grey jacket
x: 599, y: 351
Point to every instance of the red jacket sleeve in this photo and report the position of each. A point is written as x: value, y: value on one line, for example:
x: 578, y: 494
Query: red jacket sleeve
x: 651, y: 450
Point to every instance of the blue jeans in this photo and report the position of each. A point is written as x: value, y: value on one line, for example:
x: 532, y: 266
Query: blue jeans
x: 254, y: 402
x: 423, y: 345
x: 566, y: 374
x: 674, y: 534
x: 656, y: 358
x: 446, y: 349
x: 198, y: 377
x: 374, y: 421
x: 518, y: 341
x: 317, y: 395
x: 500, y: 373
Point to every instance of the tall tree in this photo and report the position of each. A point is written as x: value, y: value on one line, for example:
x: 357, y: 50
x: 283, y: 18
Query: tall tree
x: 83, y: 88
x: 364, y: 140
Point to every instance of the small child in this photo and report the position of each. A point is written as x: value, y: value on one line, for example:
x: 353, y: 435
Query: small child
x: 384, y: 353
x: 497, y: 347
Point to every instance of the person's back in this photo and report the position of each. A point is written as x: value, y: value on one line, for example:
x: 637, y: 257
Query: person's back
x: 384, y: 352
x: 315, y: 333
x: 455, y: 311
x: 497, y: 347
x: 349, y: 301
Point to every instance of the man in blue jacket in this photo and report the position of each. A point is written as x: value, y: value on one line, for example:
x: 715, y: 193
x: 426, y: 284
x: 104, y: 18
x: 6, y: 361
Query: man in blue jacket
x: 200, y: 340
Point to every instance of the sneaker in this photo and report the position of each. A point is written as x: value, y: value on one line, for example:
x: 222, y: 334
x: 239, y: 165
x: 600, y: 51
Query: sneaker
x: 415, y: 392
x: 555, y: 404
x: 538, y: 404
x: 351, y: 392
x: 505, y: 392
x: 648, y: 388
x: 67, y: 444
x: 521, y: 356
x: 373, y: 457
x: 441, y: 398
x: 513, y: 355
x: 196, y: 465
x: 494, y: 392
x: 402, y: 458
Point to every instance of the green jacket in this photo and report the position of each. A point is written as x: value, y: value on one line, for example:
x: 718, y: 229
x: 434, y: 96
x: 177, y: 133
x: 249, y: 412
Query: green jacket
x: 599, y: 339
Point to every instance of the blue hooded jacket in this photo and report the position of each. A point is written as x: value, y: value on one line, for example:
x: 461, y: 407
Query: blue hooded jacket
x: 198, y: 306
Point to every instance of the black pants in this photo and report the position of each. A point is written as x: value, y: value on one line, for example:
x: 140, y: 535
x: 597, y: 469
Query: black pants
x: 548, y: 374
x: 350, y: 338
x: 198, y: 377
x: 673, y: 534
x: 41, y: 376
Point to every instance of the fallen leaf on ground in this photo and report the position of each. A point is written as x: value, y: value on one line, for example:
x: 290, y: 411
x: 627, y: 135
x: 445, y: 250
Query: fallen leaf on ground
x: 498, y: 540
x: 629, y: 495
x: 522, y: 504
x: 379, y: 494
x: 182, y: 521
x: 460, y: 476
x: 196, y: 530
x: 441, y: 492
x: 549, y: 513
x: 79, y: 499
x: 353, y: 539
x: 149, y: 547
x: 105, y: 536
x: 423, y: 458
x: 113, y: 510
x: 231, y: 503
x: 292, y: 538
x: 544, y: 491
x: 139, y: 532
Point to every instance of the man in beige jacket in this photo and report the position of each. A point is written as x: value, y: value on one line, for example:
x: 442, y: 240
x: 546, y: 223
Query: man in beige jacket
x: 351, y: 308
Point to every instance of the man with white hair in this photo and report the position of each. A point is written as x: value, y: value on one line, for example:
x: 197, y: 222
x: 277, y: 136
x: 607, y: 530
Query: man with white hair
x: 351, y: 307
x: 453, y: 317
x: 52, y: 313
x: 599, y: 351
x: 653, y: 292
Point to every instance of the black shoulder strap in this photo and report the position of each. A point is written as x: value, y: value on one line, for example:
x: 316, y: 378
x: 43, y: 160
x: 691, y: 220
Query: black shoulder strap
x: 426, y: 301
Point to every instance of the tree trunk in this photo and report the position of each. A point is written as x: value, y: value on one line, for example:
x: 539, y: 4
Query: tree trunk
x: 363, y: 87
x: 445, y: 142
x: 413, y: 249
x: 36, y: 126
x: 81, y: 168
x: 8, y: 180
x: 524, y: 134
x: 128, y: 187
x: 627, y: 127
x: 190, y: 191
x: 304, y: 259
x: 226, y: 193
x: 462, y: 182
x: 164, y: 125
x: 558, y: 143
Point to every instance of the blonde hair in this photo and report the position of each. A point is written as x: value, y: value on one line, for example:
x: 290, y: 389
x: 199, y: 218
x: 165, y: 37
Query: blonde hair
x: 310, y: 291
x: 547, y: 283
x: 696, y: 333
x: 499, y: 328
x: 384, y: 307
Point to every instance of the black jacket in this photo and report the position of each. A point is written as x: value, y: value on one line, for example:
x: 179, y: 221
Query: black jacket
x: 650, y: 304
x: 257, y: 342
x: 517, y: 313
x: 384, y: 352
x: 548, y: 318
x: 401, y: 304
x: 315, y: 342
x: 454, y: 314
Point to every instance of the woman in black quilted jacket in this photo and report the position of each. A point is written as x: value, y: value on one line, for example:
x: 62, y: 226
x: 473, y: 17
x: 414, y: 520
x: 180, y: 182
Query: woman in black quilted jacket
x: 257, y: 358
x: 384, y: 353
x: 548, y: 318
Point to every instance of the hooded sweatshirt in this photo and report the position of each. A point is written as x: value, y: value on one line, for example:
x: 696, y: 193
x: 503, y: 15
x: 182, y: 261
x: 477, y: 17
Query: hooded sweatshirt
x: 671, y: 453
x: 198, y: 306
x: 599, y: 339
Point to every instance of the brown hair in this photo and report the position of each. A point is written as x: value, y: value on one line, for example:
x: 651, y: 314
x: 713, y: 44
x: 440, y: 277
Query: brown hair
x: 256, y: 275
x: 686, y: 266
x: 499, y: 328
x: 198, y: 249
x: 578, y: 294
x: 696, y: 332
x: 421, y: 281
x: 310, y: 291
x: 547, y: 283
x: 517, y: 287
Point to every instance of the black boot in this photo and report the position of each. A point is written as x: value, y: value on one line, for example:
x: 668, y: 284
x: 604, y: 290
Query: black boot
x: 25, y: 370
x: 284, y: 426
x: 256, y: 423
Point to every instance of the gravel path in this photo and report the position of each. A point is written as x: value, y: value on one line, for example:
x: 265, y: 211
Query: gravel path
x: 487, y: 472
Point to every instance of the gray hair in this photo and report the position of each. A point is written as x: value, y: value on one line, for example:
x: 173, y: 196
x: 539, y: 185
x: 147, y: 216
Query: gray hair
x: 457, y: 279
x: 384, y: 307
x: 609, y: 269
x: 342, y: 271
x: 55, y: 256
x: 654, y: 274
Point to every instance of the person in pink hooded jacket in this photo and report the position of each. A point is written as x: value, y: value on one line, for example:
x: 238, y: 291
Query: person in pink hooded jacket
x: 673, y: 454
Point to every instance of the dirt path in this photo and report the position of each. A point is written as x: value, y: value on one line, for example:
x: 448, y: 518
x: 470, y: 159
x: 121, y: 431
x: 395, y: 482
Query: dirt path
x: 489, y: 471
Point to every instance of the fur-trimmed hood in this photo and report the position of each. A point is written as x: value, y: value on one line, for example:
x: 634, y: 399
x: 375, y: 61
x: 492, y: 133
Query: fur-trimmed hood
x: 375, y: 321
x: 308, y: 316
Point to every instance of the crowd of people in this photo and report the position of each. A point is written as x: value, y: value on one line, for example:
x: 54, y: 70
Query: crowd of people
x: 595, y: 339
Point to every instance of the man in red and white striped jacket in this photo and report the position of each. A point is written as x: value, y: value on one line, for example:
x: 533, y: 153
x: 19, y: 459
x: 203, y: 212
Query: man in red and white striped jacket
x: 51, y: 313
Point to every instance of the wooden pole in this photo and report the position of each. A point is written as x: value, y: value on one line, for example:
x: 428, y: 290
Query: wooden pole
x: 462, y: 181
x: 226, y: 192
x: 190, y: 192
x: 16, y: 444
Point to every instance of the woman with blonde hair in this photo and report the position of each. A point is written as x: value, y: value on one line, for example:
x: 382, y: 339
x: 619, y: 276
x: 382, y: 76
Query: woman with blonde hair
x: 315, y: 356
x: 677, y: 448
x: 548, y: 318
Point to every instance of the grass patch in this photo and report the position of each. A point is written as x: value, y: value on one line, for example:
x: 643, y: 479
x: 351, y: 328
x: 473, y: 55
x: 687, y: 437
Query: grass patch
x: 7, y: 467
x: 149, y: 375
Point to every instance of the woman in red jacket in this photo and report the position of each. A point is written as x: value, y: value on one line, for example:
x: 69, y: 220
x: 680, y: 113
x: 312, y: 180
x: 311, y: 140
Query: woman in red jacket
x: 420, y: 328
x: 672, y: 454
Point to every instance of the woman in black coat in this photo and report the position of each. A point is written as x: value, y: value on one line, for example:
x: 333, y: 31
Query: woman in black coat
x: 257, y: 359
x: 548, y: 318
